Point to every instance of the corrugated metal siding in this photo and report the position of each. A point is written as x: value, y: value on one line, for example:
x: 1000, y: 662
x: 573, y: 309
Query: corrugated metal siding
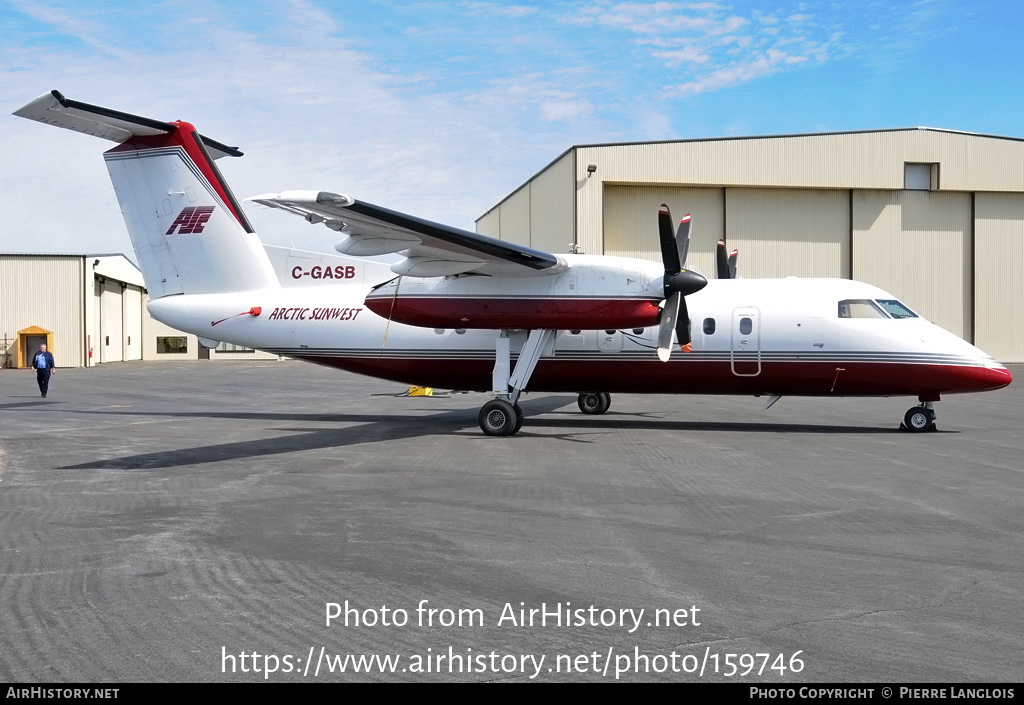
x: 490, y: 224
x: 631, y: 221
x: 515, y: 217
x: 44, y: 291
x: 589, y: 202
x: 551, y: 207
x: 864, y: 161
x: 999, y: 275
x: 786, y: 232
x: 917, y: 246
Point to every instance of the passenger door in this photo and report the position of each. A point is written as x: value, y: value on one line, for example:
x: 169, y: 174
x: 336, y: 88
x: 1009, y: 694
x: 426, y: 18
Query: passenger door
x: 746, y: 342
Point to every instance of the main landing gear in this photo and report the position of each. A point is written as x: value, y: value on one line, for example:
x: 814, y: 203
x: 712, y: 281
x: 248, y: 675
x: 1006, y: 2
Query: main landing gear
x: 594, y: 402
x: 499, y: 418
x: 919, y: 419
x: 502, y: 416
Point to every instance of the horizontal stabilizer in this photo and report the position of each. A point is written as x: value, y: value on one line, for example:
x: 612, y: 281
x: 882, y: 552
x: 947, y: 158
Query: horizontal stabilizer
x: 54, y: 109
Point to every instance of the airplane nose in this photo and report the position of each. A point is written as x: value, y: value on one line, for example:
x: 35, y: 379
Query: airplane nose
x: 999, y: 377
x: 981, y: 379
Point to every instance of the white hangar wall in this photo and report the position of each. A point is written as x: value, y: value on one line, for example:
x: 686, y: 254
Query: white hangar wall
x: 917, y: 245
x: 936, y: 217
x: 92, y: 310
x: 46, y: 292
x: 998, y: 284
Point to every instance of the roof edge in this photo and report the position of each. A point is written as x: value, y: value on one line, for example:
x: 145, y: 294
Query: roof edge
x: 800, y: 134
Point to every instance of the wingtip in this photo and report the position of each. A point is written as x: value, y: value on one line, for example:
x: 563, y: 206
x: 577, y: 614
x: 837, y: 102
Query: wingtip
x: 664, y: 354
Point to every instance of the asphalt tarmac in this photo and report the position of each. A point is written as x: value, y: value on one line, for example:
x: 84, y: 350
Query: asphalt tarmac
x: 200, y: 521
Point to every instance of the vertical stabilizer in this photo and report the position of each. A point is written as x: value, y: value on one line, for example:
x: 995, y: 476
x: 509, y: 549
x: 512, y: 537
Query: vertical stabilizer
x: 188, y: 230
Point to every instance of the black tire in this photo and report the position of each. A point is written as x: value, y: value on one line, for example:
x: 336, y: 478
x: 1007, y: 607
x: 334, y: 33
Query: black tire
x: 918, y: 419
x: 498, y: 418
x: 520, y: 417
x: 592, y: 403
x: 606, y: 403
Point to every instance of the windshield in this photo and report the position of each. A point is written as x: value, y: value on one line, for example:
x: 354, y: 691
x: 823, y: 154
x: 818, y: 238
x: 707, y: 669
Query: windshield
x: 895, y: 309
x: 860, y: 308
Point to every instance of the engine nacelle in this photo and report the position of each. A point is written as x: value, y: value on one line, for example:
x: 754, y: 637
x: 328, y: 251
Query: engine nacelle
x: 592, y: 293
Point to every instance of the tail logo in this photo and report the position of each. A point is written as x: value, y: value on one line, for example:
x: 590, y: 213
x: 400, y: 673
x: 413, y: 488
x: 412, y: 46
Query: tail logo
x: 191, y: 220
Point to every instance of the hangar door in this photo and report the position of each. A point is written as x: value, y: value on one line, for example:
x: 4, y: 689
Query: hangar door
x: 631, y: 221
x: 917, y: 246
x: 789, y: 232
x: 132, y: 301
x: 111, y: 345
x: 999, y: 275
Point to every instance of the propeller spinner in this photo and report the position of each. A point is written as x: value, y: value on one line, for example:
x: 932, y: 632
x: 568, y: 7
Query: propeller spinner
x: 679, y: 282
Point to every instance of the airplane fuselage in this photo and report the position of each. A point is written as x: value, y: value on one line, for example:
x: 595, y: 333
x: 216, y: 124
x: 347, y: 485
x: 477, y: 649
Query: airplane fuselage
x: 750, y: 336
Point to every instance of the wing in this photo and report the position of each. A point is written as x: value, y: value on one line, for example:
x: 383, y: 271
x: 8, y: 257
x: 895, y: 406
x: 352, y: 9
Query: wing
x: 430, y: 249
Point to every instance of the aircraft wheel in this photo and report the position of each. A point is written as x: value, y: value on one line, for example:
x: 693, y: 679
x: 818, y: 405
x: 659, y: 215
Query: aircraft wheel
x: 919, y: 419
x: 520, y: 417
x: 498, y: 418
x: 594, y: 402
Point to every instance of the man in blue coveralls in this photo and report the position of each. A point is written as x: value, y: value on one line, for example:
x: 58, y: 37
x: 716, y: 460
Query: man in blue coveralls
x: 43, y: 362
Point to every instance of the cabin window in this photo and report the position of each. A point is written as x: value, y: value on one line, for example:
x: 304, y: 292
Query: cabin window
x: 746, y: 325
x: 638, y: 331
x: 709, y: 326
x: 860, y: 308
x: 895, y: 309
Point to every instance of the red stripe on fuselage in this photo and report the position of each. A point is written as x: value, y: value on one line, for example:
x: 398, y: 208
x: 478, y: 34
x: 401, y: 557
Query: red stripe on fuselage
x: 186, y: 137
x: 684, y: 377
x: 568, y: 313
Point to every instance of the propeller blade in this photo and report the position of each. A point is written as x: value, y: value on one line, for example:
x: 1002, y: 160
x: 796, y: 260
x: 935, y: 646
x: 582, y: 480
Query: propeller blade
x: 732, y: 263
x: 722, y: 261
x: 683, y: 325
x: 667, y: 328
x: 669, y: 250
x: 683, y: 239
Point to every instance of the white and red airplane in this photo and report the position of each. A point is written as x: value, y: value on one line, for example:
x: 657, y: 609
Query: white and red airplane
x: 457, y: 309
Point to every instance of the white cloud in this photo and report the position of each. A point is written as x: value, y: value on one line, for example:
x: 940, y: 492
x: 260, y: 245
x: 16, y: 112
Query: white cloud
x: 308, y: 110
x: 710, y: 46
x: 686, y: 54
x: 764, y: 65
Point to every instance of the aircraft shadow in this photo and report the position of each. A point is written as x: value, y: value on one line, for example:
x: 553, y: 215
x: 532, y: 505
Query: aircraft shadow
x: 372, y: 428
x: 367, y: 428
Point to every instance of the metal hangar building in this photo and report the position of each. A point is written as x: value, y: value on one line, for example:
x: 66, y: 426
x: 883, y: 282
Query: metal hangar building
x: 88, y: 309
x: 936, y: 217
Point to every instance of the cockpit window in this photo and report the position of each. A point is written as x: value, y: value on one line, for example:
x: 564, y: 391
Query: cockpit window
x: 860, y: 308
x: 895, y: 309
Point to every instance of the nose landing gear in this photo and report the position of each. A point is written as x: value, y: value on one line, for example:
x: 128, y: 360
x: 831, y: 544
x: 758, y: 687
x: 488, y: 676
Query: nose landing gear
x: 919, y: 419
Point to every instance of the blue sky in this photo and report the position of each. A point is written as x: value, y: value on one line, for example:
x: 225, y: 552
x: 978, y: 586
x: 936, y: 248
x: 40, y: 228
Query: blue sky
x: 441, y: 109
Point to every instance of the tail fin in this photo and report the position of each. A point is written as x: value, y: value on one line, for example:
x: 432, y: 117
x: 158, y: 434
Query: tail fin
x: 188, y: 230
